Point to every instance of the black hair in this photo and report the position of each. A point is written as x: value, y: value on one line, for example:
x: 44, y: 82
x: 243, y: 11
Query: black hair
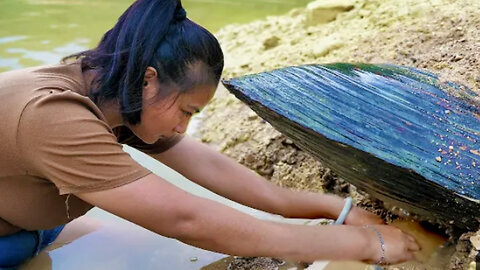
x: 152, y: 33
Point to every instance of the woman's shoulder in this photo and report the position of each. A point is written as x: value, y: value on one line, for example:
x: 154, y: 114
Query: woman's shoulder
x: 44, y: 114
x: 31, y: 81
x: 61, y: 103
x: 48, y: 91
x: 58, y: 89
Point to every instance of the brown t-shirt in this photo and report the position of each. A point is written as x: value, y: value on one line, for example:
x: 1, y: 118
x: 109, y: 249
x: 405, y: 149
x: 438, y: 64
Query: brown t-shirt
x: 55, y: 141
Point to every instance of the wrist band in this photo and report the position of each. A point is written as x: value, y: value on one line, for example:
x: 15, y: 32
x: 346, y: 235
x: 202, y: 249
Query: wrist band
x: 382, y: 243
x: 346, y: 209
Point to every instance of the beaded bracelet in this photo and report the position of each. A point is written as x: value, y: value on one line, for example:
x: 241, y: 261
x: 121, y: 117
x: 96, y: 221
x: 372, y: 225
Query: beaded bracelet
x: 382, y: 242
x: 346, y: 209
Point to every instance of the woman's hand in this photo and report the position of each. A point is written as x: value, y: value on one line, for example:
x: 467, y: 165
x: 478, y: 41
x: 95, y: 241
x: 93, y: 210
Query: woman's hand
x: 359, y: 216
x: 398, y: 245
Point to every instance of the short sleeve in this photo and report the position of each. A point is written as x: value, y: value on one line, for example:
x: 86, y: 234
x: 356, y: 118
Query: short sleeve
x: 64, y: 138
x: 126, y: 136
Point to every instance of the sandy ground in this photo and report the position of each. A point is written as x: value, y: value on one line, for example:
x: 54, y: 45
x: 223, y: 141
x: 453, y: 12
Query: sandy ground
x: 438, y: 35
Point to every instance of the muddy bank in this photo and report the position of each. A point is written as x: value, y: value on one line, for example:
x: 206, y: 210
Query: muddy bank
x: 438, y: 35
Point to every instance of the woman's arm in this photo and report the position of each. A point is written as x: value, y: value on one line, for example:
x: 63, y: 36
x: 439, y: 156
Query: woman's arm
x: 157, y: 205
x: 7, y: 228
x: 227, y: 178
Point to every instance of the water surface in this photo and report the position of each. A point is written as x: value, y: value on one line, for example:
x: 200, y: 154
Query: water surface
x: 34, y: 32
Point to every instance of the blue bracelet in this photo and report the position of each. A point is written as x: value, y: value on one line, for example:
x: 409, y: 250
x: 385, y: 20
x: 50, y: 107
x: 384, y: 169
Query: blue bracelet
x: 346, y: 209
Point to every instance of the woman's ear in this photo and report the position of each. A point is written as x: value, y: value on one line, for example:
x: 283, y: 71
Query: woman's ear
x: 150, y: 83
x: 150, y: 74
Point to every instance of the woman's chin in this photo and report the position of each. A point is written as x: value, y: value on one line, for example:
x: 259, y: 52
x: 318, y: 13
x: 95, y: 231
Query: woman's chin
x: 149, y: 140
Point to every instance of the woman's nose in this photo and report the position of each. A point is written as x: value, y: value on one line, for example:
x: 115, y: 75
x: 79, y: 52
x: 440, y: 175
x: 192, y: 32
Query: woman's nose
x: 182, y: 127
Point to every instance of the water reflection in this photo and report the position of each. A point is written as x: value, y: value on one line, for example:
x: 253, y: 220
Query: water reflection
x: 43, y: 31
x: 52, y: 56
x: 121, y: 245
x: 9, y: 63
x: 11, y: 39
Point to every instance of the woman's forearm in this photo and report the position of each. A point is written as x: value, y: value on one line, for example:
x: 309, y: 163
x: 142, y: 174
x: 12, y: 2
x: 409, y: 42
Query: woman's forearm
x: 302, y: 204
x: 250, y: 189
x: 159, y: 206
x: 228, y: 231
x: 221, y: 174
x: 227, y: 178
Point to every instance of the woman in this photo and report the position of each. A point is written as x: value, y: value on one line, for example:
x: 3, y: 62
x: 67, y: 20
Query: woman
x: 61, y: 153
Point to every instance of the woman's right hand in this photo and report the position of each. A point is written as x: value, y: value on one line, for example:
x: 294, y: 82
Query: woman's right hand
x: 399, y: 246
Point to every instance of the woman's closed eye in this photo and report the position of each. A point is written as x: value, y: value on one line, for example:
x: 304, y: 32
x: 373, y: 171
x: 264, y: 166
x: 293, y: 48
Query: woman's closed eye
x: 187, y: 113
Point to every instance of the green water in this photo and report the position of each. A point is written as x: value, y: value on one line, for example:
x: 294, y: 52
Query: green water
x: 35, y: 32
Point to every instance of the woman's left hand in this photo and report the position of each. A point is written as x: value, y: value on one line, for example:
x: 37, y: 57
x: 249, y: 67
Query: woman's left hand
x: 358, y: 216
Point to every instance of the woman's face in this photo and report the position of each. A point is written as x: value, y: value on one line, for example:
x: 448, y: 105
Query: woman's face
x: 170, y: 115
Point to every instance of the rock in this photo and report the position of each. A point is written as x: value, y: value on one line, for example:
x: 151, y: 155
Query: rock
x: 380, y: 128
x: 244, y: 263
x: 326, y: 47
x: 364, y: 13
x: 475, y: 240
x: 456, y: 58
x: 271, y: 42
x: 249, y: 158
x: 296, y: 12
x: 252, y: 115
x: 323, y: 11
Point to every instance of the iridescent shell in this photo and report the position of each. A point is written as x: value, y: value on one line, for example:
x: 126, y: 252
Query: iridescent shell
x: 393, y: 131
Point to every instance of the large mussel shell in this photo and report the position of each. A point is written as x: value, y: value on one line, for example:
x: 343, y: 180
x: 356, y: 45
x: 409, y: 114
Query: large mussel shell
x: 396, y: 132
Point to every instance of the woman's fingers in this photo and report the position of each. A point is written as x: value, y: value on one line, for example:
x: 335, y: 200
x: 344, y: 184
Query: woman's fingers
x: 411, y: 242
x: 411, y: 256
x: 413, y: 245
x: 410, y: 237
